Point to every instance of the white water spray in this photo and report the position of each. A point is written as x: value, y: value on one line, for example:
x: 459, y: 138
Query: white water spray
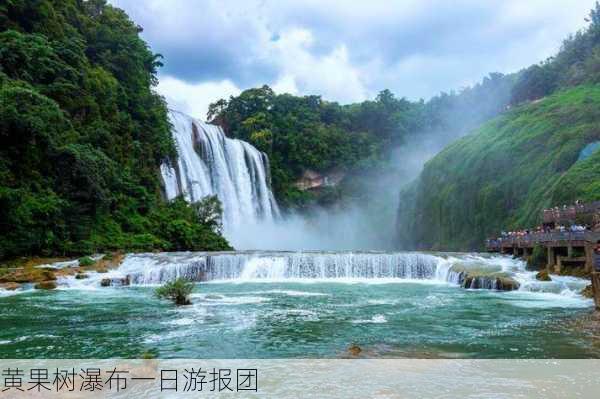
x: 209, y: 163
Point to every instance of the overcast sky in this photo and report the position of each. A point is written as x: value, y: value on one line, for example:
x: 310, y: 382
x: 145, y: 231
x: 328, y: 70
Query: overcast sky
x: 346, y: 51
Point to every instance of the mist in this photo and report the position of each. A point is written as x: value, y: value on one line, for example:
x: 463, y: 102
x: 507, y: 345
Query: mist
x: 367, y: 219
x: 366, y: 223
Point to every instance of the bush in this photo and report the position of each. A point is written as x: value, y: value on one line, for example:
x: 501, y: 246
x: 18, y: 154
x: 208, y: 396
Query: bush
x: 86, y: 261
x: 178, y: 291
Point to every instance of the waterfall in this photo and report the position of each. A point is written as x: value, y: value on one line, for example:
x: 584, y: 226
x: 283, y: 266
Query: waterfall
x: 470, y: 271
x: 210, y: 163
x: 250, y: 266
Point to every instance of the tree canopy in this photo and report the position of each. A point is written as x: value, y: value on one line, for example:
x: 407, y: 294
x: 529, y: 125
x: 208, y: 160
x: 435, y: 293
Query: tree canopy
x: 306, y: 132
x: 82, y: 135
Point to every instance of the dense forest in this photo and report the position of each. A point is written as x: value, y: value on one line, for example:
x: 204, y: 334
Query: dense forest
x: 538, y: 154
x: 82, y: 135
x: 306, y: 132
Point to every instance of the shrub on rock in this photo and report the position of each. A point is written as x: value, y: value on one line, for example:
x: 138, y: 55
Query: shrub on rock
x: 178, y: 291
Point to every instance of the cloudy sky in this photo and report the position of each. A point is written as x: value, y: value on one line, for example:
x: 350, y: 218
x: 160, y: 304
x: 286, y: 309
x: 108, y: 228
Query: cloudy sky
x: 348, y: 50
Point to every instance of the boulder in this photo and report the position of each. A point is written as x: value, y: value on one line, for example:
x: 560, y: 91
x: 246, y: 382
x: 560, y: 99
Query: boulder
x: 10, y: 286
x: 45, y: 285
x: 354, y: 350
x: 81, y: 276
x: 105, y: 282
x: 507, y: 284
x: 485, y: 279
x: 543, y: 275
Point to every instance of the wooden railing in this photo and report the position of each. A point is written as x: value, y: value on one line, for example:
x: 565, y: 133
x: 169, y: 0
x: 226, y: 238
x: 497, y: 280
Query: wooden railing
x: 570, y: 213
x: 543, y: 238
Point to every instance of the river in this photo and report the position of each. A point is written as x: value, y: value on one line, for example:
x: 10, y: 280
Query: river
x: 301, y: 304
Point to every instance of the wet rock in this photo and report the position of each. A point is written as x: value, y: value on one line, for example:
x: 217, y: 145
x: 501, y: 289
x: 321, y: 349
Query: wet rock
x: 45, y: 285
x: 125, y: 281
x: 588, y: 291
x: 354, y: 350
x: 10, y: 286
x: 477, y: 279
x: 81, y: 276
x: 543, y: 276
x: 507, y: 284
x: 28, y: 275
x: 116, y: 281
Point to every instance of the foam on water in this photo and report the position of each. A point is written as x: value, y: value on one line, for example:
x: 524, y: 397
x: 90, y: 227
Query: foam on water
x: 220, y: 300
x: 328, y: 267
x: 377, y: 319
x: 293, y: 293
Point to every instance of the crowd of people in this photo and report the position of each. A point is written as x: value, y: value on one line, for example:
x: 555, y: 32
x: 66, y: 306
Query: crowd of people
x: 561, y: 220
x: 570, y: 212
x: 573, y: 228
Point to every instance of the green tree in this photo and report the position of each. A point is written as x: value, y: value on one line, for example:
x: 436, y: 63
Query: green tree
x: 82, y: 136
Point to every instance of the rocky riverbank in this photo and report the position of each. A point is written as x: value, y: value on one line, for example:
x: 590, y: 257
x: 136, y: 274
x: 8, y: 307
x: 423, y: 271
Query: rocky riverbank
x: 42, y: 273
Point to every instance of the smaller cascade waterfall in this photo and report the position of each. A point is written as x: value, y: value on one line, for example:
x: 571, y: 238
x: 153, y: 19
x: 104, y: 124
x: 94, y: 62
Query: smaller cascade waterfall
x: 471, y: 271
x: 279, y: 266
x: 210, y: 163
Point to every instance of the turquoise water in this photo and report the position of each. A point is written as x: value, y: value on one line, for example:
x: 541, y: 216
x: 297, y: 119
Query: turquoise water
x: 253, y: 319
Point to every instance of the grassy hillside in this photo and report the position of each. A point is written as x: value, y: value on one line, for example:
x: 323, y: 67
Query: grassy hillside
x: 503, y: 174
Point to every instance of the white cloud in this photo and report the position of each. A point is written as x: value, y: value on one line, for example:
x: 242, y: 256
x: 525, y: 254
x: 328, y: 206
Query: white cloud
x: 344, y: 50
x: 330, y: 74
x: 194, y: 99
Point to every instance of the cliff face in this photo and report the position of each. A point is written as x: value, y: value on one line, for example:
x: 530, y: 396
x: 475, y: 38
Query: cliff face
x: 503, y: 174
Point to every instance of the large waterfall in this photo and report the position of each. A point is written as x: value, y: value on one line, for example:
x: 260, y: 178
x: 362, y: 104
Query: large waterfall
x: 210, y: 163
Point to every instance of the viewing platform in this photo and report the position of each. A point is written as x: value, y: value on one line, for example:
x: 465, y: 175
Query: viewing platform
x: 570, y: 236
x: 551, y: 239
x: 570, y: 214
x: 561, y: 247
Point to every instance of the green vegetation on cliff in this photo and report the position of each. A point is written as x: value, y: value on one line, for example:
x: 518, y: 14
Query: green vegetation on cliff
x: 301, y: 133
x: 503, y: 174
x: 82, y: 135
